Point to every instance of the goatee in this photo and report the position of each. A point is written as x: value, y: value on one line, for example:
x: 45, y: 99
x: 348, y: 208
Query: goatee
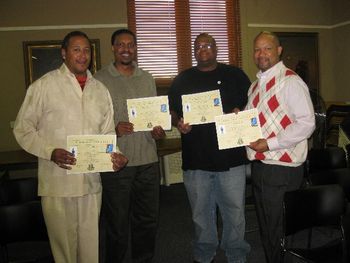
x: 127, y: 63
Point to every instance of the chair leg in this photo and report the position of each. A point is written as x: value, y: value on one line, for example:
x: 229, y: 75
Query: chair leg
x: 283, y: 249
x: 4, y: 254
x: 309, y: 239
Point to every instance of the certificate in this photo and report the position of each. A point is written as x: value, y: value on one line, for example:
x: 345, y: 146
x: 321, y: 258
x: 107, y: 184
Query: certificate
x: 93, y: 152
x: 146, y: 113
x: 200, y: 108
x: 234, y: 130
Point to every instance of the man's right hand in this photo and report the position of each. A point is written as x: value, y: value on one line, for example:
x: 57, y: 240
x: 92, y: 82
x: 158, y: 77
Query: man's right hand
x: 63, y: 158
x: 118, y: 160
x: 183, y: 127
x: 124, y: 128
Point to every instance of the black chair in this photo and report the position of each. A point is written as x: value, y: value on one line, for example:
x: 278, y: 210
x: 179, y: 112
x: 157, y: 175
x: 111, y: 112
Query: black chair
x: 340, y: 177
x: 329, y: 166
x: 323, y: 160
x: 21, y: 217
x: 316, y: 206
x: 326, y: 159
x: 347, y: 150
x: 20, y: 190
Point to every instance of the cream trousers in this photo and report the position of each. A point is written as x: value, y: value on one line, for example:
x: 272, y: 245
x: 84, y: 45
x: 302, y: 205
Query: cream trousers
x: 72, y: 225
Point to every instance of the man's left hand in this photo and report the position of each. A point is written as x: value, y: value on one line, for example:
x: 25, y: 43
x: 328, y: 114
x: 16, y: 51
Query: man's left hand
x: 158, y: 133
x: 119, y: 161
x: 259, y: 145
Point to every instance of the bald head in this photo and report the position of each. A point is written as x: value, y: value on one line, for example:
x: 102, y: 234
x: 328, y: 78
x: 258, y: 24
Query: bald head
x: 274, y: 38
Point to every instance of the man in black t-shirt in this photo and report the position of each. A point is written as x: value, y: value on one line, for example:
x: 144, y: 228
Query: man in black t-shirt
x: 212, y: 177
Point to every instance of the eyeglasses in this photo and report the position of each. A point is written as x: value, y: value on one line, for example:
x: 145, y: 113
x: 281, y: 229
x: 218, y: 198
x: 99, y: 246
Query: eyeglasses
x: 123, y: 45
x: 204, y: 46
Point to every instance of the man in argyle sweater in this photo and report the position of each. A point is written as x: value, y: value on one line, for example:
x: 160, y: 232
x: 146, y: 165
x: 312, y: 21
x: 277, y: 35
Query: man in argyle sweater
x: 287, y: 119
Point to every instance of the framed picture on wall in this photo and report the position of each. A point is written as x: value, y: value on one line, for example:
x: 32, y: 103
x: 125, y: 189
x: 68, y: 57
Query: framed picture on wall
x: 41, y: 57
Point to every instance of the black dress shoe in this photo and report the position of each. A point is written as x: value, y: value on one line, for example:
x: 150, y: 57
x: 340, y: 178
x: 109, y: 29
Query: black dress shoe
x: 194, y: 261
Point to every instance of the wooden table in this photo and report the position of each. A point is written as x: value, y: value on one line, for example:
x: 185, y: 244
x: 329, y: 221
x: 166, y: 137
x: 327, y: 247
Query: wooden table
x: 17, y: 160
x: 168, y: 146
x: 21, y: 160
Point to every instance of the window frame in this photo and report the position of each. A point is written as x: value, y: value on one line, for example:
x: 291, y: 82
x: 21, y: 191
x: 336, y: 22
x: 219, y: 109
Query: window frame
x: 183, y: 34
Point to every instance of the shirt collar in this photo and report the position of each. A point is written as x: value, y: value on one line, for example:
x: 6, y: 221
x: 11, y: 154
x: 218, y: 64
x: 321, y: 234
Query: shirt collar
x: 270, y: 71
x: 116, y: 73
x: 65, y: 70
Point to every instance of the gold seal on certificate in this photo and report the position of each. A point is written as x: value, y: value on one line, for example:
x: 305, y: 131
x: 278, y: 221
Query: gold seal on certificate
x: 93, y: 152
x: 201, y: 108
x: 146, y: 113
x: 235, y: 130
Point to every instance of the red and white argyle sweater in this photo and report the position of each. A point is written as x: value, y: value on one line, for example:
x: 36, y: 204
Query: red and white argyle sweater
x: 263, y: 94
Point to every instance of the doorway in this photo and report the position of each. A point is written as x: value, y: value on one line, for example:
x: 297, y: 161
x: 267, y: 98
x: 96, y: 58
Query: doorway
x: 300, y: 53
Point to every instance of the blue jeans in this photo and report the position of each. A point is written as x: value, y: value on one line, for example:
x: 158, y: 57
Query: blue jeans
x: 206, y: 190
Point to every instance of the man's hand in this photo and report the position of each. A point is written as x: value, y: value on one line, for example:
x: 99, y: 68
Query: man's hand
x: 183, y: 127
x: 63, y: 158
x: 119, y: 161
x: 259, y: 145
x: 124, y: 128
x: 158, y: 133
x: 236, y: 110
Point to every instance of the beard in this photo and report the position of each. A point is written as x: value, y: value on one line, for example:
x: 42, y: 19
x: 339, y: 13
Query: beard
x: 126, y: 63
x: 206, y: 63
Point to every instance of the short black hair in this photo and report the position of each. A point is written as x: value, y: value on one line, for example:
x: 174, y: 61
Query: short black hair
x: 206, y: 35
x: 120, y: 32
x: 66, y: 39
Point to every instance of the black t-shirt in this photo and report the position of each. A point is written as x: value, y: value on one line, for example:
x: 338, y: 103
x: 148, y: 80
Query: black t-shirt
x: 200, y: 147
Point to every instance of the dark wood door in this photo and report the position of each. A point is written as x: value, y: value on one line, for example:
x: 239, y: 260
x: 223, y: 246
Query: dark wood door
x: 300, y: 53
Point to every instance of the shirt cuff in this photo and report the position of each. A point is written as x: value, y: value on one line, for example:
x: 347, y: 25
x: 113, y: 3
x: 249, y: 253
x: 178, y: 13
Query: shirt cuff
x: 272, y: 143
x: 47, y: 152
